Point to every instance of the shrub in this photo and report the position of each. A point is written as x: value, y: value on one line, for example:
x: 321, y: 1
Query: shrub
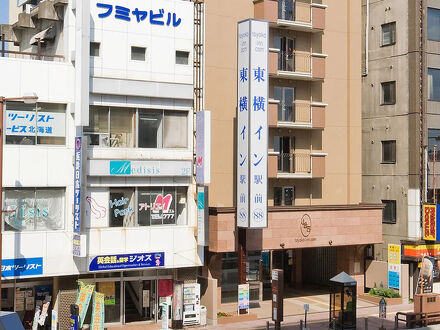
x: 384, y: 292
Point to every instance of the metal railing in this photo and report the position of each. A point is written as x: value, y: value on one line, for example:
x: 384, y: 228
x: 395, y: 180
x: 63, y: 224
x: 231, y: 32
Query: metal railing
x: 294, y: 61
x: 29, y: 55
x: 296, y: 11
x: 296, y: 112
x: 294, y: 163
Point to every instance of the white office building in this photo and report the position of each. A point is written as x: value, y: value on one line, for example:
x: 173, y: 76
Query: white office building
x: 118, y: 74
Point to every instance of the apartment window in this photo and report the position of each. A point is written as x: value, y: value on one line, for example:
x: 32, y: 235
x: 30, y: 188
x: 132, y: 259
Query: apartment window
x: 138, y: 53
x: 94, y: 49
x: 32, y: 209
x: 283, y: 196
x: 389, y: 152
x: 389, y: 211
x: 389, y: 92
x: 433, y: 140
x: 388, y: 34
x: 182, y: 57
x: 286, y: 105
x: 434, y: 24
x: 434, y: 84
x: 31, y: 124
x: 115, y: 127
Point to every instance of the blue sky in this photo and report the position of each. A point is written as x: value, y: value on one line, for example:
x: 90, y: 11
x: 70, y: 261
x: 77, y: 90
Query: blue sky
x: 4, y: 13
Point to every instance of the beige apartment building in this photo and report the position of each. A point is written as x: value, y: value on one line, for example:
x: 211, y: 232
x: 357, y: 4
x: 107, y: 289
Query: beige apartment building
x: 400, y: 119
x: 317, y: 225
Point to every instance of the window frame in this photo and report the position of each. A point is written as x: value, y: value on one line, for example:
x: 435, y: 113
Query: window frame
x: 431, y: 9
x: 393, y: 42
x: 383, y: 161
x: 35, y: 189
x: 283, y: 197
x: 382, y: 93
x: 428, y: 84
x: 138, y: 47
x: 182, y: 51
x: 99, y: 48
x: 393, y: 202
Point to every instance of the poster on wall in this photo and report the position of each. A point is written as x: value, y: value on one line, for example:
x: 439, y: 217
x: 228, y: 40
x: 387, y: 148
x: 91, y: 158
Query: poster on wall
x: 108, y: 289
x: 394, y: 259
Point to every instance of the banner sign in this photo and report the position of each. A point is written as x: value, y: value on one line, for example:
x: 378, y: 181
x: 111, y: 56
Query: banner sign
x: 203, y: 147
x: 252, y: 114
x: 243, y: 296
x: 419, y: 251
x: 426, y: 275
x: 22, y: 267
x: 394, y: 257
x: 31, y: 123
x: 430, y: 222
x: 127, y: 261
x: 77, y: 187
x: 98, y: 312
x: 202, y: 216
x: 83, y: 300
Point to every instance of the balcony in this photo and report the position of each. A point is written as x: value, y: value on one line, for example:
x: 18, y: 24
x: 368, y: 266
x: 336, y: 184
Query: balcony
x: 296, y: 65
x: 296, y: 165
x: 300, y: 114
x: 299, y: 15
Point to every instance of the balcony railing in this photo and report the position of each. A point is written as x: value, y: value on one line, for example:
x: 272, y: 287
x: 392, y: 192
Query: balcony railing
x: 294, y: 162
x: 295, y: 61
x: 290, y: 10
x: 297, y: 112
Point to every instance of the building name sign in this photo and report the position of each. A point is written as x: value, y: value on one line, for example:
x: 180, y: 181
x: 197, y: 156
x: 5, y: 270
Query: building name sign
x: 22, y: 267
x: 158, y: 168
x: 30, y: 123
x: 143, y: 15
x: 127, y: 261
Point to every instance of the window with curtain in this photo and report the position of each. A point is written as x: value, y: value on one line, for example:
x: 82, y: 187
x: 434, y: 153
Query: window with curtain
x: 434, y: 84
x: 388, y: 34
x: 434, y: 24
x: 31, y: 209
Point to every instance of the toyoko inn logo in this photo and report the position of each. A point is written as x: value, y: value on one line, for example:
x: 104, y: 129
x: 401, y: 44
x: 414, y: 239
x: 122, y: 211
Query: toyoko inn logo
x: 120, y: 167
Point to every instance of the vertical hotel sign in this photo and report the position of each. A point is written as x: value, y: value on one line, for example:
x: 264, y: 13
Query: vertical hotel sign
x: 429, y: 222
x: 77, y: 198
x: 252, y: 134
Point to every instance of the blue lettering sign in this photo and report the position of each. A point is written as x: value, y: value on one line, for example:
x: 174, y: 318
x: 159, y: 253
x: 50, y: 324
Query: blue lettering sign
x: 127, y: 261
x: 22, y: 267
x: 77, y: 187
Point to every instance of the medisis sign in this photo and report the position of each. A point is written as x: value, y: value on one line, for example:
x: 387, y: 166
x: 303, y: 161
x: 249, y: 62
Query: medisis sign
x: 252, y: 112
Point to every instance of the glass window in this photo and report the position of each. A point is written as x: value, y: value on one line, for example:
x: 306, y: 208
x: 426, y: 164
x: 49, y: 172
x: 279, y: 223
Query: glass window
x: 138, y: 53
x: 30, y: 124
x: 229, y: 277
x: 389, y: 212
x: 434, y: 84
x: 433, y: 140
x: 277, y: 196
x: 121, y: 207
x: 283, y: 196
x: 389, y: 34
x: 175, y: 133
x: 162, y: 206
x: 121, y: 128
x: 389, y: 92
x: 34, y: 209
x: 389, y: 152
x: 98, y: 131
x: 182, y: 57
x: 150, y: 129
x: 434, y: 24
x: 94, y: 49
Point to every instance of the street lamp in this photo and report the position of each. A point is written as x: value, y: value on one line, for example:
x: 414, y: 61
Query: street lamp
x: 28, y: 99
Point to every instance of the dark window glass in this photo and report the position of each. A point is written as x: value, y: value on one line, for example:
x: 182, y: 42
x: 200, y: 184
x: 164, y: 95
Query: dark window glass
x: 434, y: 84
x: 389, y: 212
x: 121, y: 207
x: 433, y: 24
x: 182, y: 57
x: 388, y: 152
x: 138, y: 53
x: 283, y: 196
x: 229, y: 277
x: 389, y: 92
x: 94, y: 48
x: 150, y: 129
x: 389, y: 34
x: 277, y: 196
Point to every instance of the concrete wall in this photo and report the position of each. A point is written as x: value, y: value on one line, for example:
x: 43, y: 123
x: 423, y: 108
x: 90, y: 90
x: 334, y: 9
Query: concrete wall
x: 376, y: 275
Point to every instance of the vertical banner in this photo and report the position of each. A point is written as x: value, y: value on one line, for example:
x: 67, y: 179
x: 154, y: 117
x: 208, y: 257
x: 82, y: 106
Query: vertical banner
x: 203, y: 147
x: 202, y: 216
x: 76, y: 242
x: 429, y: 222
x: 243, y: 297
x: 98, y: 312
x: 54, y: 323
x: 83, y: 300
x: 252, y: 114
x: 243, y: 124
x: 394, y: 257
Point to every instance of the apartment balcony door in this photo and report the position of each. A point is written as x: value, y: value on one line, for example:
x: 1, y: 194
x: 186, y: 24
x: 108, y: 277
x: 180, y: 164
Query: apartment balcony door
x: 285, y: 146
x: 286, y: 56
x: 286, y: 10
x: 286, y: 105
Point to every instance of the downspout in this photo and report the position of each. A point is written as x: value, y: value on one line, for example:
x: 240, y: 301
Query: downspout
x: 367, y: 26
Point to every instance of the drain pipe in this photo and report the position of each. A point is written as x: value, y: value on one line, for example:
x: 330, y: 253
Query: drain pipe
x: 367, y: 26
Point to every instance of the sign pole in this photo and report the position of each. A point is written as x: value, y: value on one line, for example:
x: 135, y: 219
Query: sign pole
x: 242, y: 259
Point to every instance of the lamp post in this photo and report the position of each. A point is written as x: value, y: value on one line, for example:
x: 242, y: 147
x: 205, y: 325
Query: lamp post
x: 28, y: 100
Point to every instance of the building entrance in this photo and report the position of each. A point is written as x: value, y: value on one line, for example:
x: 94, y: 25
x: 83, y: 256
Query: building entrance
x: 140, y: 297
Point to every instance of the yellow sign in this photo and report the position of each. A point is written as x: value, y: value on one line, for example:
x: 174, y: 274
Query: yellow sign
x: 394, y: 254
x: 108, y: 289
x: 429, y: 222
